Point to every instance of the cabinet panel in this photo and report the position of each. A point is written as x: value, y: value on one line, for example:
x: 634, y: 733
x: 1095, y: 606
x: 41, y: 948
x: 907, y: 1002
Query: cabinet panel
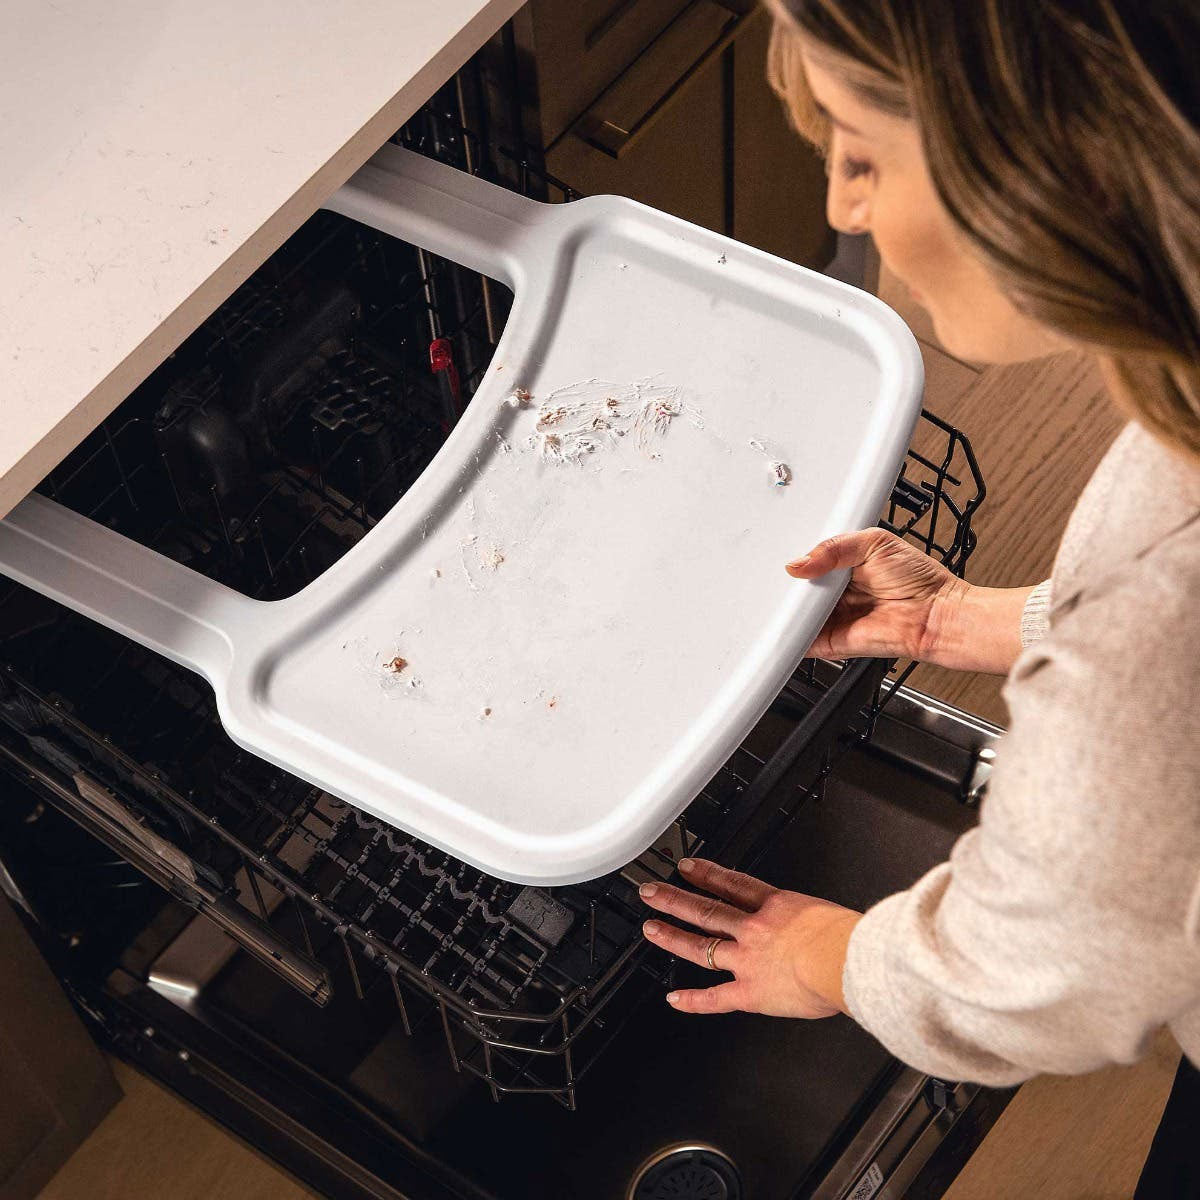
x: 583, y: 45
x: 676, y: 165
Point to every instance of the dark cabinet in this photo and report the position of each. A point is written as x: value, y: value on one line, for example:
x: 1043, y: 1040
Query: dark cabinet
x: 667, y: 102
x: 55, y: 1086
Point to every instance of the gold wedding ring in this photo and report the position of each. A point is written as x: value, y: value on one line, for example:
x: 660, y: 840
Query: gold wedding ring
x: 709, y: 951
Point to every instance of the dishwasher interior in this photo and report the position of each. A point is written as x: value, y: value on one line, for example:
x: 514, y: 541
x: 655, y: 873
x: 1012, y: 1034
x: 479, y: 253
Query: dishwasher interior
x: 381, y: 1018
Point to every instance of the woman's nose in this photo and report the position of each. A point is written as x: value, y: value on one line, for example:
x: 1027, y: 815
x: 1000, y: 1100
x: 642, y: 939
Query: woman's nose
x: 846, y: 208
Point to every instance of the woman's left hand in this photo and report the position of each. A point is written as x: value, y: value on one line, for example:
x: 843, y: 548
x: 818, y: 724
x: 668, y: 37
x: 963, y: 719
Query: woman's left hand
x: 786, y: 951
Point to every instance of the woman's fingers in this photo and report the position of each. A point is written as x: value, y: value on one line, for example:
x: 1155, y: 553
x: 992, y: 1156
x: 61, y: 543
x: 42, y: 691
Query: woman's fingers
x: 845, y: 550
x: 692, y: 946
x: 744, y: 891
x: 705, y: 912
x: 725, y: 997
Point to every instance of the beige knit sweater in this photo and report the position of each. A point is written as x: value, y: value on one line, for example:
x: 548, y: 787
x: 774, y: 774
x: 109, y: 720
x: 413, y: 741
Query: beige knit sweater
x: 1065, y: 929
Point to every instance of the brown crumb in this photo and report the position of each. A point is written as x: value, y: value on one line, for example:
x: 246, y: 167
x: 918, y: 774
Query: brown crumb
x: 487, y: 712
x: 552, y: 702
x: 523, y: 394
x: 396, y: 665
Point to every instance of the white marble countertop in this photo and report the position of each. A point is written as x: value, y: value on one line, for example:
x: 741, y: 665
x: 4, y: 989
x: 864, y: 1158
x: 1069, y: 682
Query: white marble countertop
x: 154, y: 152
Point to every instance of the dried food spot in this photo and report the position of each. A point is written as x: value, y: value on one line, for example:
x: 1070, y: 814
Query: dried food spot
x: 487, y: 712
x: 552, y: 702
x: 396, y: 665
x: 721, y: 260
x: 493, y: 558
x: 781, y: 473
x: 436, y: 573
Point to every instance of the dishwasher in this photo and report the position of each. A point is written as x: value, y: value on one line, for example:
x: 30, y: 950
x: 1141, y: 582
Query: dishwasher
x: 378, y: 1018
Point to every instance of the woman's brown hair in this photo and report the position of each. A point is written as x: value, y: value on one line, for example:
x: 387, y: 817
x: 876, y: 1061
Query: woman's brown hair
x: 1063, y: 137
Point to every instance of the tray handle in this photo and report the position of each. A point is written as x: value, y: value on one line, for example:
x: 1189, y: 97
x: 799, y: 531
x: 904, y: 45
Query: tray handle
x: 448, y: 212
x: 134, y: 590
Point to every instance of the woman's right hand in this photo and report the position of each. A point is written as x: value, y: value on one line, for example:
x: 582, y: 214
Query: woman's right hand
x: 900, y: 603
x: 897, y: 604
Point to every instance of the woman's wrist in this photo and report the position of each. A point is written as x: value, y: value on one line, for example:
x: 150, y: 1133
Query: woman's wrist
x: 824, y: 953
x: 975, y: 628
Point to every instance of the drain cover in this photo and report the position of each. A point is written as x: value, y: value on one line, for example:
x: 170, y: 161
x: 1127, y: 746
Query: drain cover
x: 688, y: 1173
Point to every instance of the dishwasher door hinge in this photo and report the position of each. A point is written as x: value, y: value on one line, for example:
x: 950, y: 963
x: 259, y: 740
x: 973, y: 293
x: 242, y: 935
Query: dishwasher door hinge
x: 975, y: 785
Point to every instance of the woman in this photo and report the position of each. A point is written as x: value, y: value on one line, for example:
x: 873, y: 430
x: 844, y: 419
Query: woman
x: 1031, y: 169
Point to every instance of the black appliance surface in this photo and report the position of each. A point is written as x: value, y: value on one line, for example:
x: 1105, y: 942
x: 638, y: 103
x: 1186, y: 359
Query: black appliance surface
x: 777, y: 1098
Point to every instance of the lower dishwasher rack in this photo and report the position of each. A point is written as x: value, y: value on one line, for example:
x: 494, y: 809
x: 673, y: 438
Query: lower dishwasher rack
x: 273, y: 439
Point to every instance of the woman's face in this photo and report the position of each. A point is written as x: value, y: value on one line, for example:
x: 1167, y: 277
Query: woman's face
x: 879, y: 183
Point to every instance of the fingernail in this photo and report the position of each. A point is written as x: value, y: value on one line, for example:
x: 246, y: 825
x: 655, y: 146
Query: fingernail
x: 672, y: 997
x: 686, y: 864
x: 651, y: 928
x: 648, y: 890
x: 798, y: 563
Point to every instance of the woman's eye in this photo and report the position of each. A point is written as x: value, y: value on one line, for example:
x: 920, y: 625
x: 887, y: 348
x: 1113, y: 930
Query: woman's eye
x: 854, y: 168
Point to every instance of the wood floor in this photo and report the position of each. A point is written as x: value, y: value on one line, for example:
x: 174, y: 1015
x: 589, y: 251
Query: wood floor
x: 1038, y: 430
x: 152, y: 1146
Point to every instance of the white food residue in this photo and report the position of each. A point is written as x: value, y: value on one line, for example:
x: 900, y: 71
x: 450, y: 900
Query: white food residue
x: 780, y: 472
x: 518, y: 398
x: 389, y: 669
x: 466, y: 550
x: 477, y: 558
x: 579, y: 419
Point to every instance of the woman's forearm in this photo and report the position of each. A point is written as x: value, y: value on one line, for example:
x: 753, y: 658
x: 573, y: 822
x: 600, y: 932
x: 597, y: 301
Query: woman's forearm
x: 977, y: 629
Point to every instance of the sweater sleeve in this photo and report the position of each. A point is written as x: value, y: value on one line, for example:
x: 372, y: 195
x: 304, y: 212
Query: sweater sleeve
x: 1035, y: 616
x: 1055, y: 939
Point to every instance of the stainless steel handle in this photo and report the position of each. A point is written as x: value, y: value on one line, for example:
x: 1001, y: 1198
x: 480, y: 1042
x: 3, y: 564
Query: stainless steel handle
x: 630, y: 105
